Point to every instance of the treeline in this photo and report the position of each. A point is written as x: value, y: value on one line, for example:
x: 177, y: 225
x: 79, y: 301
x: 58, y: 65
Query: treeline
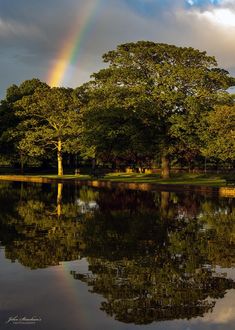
x: 153, y: 105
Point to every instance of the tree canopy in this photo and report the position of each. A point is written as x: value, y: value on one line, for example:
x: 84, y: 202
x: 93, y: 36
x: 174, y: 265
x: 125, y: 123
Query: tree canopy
x: 50, y: 120
x: 9, y: 133
x: 219, y: 133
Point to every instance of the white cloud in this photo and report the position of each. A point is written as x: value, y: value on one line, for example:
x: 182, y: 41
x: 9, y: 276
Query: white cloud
x: 226, y: 3
x: 224, y: 311
x: 224, y: 17
x: 9, y: 28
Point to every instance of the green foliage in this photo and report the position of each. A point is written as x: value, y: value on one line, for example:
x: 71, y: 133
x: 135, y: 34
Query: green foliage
x: 49, y: 115
x: 219, y: 133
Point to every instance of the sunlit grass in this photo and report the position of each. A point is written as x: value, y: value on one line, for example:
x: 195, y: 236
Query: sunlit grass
x: 186, y: 178
x: 66, y: 176
x: 177, y: 179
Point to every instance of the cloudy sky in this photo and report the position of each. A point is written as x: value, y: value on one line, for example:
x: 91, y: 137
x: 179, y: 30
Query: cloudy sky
x: 62, y: 41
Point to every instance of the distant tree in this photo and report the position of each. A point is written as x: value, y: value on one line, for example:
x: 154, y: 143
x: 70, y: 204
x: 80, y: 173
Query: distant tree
x: 138, y: 99
x: 49, y: 121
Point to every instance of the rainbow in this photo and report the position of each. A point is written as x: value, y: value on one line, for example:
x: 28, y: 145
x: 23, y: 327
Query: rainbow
x: 70, y: 49
x: 69, y: 287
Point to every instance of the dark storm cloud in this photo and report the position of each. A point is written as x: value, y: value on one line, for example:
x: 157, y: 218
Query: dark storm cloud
x: 32, y: 32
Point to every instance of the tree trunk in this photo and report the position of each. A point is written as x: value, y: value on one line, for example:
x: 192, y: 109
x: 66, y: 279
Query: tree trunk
x: 21, y: 164
x: 165, y: 199
x: 93, y: 164
x: 59, y: 199
x: 165, y: 164
x: 59, y: 158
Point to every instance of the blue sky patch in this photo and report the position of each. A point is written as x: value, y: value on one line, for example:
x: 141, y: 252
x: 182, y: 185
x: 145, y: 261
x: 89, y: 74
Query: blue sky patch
x: 202, y: 3
x: 149, y: 8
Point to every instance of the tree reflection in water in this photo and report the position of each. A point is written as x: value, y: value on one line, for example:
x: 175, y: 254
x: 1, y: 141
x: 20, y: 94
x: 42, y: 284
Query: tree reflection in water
x: 151, y: 255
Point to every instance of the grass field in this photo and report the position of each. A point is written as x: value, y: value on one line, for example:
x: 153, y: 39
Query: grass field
x: 186, y: 178
x: 176, y: 179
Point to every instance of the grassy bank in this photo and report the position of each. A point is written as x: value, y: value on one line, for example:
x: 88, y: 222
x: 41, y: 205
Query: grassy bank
x: 176, y: 179
x: 186, y: 178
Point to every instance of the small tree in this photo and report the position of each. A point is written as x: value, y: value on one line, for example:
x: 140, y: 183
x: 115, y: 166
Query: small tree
x: 50, y: 121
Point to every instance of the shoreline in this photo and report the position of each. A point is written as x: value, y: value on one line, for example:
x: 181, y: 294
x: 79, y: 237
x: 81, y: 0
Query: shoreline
x: 123, y: 179
x: 199, y: 187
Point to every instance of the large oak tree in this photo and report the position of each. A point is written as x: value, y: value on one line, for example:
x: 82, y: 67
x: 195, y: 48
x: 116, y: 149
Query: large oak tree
x: 145, y: 91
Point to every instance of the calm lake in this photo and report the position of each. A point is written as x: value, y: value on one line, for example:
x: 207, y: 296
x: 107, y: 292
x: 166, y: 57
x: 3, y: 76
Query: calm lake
x: 76, y: 257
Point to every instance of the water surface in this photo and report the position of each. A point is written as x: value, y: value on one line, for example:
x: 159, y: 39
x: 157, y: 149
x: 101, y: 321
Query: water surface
x: 84, y: 258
